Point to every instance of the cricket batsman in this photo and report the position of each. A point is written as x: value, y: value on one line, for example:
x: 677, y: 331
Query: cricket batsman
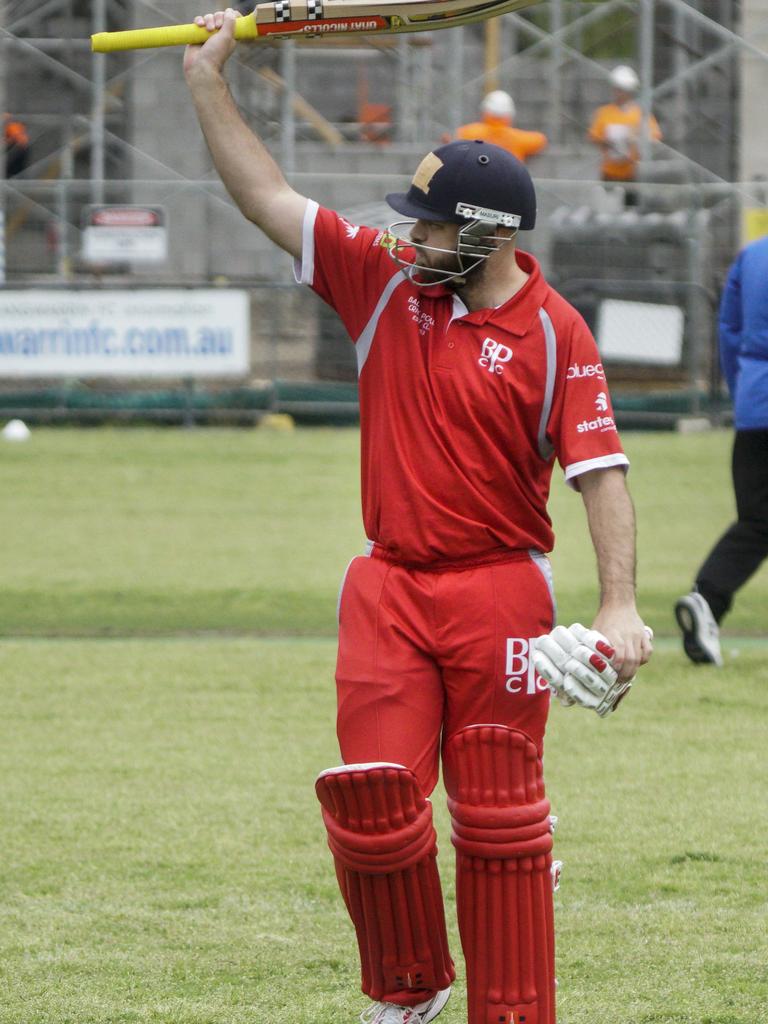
x: 474, y: 377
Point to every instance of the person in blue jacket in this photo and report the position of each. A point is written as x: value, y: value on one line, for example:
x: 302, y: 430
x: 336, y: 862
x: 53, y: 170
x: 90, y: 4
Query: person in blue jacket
x: 744, y: 545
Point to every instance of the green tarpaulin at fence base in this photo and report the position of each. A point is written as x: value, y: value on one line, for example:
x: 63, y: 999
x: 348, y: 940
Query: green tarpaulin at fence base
x: 306, y: 401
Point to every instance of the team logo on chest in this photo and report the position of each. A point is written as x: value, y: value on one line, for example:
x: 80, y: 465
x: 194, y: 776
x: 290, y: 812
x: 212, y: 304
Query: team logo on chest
x: 494, y: 355
x: 424, y: 321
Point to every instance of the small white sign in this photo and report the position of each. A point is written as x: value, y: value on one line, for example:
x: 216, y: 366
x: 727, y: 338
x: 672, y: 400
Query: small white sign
x: 125, y: 234
x: 148, y: 333
x: 640, y: 332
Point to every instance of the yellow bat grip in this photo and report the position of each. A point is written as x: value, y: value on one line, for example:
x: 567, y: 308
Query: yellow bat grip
x: 167, y: 35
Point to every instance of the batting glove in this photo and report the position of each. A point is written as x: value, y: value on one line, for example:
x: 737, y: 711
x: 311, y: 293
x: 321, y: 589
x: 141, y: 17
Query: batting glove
x: 576, y: 662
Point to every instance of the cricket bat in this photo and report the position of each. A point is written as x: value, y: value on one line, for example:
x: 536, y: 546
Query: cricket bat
x: 316, y: 18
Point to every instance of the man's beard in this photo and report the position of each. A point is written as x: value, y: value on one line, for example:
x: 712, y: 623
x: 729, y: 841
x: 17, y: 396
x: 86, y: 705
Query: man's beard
x: 447, y: 263
x: 471, y: 276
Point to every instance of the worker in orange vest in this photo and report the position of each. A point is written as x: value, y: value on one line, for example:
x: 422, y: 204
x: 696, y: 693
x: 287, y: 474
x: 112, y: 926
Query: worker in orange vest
x: 616, y: 128
x: 497, y: 126
x: 16, y: 142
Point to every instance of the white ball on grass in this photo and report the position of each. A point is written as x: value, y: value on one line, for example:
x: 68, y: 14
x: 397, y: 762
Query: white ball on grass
x: 16, y: 430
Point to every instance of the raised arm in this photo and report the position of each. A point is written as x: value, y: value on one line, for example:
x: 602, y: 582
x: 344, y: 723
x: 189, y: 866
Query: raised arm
x: 246, y: 167
x: 611, y: 519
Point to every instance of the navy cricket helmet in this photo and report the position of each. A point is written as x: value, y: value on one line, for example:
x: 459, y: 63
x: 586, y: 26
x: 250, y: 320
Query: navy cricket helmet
x: 464, y: 180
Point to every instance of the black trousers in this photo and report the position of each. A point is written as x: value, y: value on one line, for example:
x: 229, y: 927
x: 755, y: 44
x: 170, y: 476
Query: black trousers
x: 16, y: 160
x: 744, y: 545
x: 631, y: 197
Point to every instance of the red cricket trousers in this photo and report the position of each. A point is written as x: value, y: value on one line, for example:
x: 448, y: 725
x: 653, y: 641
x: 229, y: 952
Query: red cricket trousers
x: 424, y: 653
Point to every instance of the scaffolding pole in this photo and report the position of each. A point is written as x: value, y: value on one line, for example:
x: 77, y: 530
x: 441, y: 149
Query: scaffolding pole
x: 97, y: 107
x: 456, y: 79
x: 556, y: 24
x: 645, y: 61
x: 423, y: 85
x: 492, y: 59
x: 406, y: 119
x: 680, y: 66
x: 287, y: 111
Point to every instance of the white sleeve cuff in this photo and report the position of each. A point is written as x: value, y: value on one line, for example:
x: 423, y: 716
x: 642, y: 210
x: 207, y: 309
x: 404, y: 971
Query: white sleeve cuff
x: 587, y: 465
x: 304, y: 269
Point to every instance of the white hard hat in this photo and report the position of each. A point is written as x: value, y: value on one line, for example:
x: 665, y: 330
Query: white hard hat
x: 625, y: 78
x: 499, y: 104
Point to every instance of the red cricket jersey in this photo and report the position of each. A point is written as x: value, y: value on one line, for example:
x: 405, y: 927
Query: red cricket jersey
x: 462, y: 413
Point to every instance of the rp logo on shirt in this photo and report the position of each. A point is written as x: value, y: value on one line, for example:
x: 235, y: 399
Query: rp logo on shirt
x: 493, y: 355
x: 601, y: 402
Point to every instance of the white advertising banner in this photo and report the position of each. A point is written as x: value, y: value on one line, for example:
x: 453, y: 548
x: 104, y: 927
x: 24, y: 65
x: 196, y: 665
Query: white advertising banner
x: 150, y: 333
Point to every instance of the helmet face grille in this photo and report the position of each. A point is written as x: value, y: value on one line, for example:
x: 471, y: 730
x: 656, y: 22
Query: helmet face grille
x: 475, y: 242
x: 478, y: 240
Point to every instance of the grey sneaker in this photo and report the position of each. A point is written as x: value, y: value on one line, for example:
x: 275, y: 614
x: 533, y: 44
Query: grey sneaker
x: 422, y: 1013
x: 701, y: 634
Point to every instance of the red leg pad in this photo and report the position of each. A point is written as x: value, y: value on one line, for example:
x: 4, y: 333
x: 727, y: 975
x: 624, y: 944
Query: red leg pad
x: 503, y: 840
x: 384, y: 846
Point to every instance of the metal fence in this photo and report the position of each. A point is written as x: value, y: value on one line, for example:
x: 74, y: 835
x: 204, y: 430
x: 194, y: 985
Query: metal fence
x: 645, y: 269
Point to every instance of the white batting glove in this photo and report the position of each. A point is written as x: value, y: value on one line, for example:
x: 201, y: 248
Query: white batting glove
x: 576, y: 662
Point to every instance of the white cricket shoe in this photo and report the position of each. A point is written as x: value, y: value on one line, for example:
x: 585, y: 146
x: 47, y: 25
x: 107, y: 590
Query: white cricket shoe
x: 422, y: 1013
x: 701, y: 634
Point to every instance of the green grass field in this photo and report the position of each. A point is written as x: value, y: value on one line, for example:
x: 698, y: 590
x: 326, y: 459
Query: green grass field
x: 167, y: 621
